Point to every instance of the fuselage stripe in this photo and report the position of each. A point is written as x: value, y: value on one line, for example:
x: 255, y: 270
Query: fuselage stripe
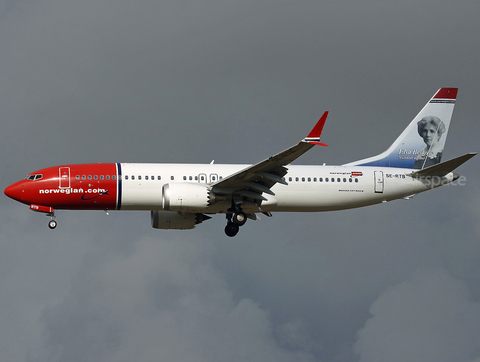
x: 119, y: 188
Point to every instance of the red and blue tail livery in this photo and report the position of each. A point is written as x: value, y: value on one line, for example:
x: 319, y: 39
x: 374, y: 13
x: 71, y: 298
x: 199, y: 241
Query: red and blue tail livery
x: 181, y: 196
x: 421, y: 144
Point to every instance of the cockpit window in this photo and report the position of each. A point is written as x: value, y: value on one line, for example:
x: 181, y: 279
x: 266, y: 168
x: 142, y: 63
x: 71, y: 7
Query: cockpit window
x: 34, y: 177
x: 38, y: 177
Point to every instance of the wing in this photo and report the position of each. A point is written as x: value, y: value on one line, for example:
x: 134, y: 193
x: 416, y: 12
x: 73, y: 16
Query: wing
x: 251, y: 182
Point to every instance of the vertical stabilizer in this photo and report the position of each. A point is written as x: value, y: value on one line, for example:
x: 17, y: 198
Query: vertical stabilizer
x: 421, y: 144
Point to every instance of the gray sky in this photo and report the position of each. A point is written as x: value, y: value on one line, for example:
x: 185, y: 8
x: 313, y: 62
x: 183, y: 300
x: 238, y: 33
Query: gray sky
x: 192, y: 81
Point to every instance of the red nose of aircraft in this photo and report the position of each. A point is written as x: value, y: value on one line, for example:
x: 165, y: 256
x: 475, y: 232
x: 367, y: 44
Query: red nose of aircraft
x: 15, y: 191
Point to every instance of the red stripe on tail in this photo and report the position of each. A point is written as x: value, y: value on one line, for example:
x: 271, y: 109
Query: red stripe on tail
x: 447, y: 93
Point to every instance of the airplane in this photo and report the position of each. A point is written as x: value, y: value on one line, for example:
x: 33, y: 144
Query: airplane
x: 181, y: 196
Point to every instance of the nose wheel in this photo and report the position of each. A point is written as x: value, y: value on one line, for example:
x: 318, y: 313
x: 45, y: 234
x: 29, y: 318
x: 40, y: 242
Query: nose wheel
x: 52, y: 224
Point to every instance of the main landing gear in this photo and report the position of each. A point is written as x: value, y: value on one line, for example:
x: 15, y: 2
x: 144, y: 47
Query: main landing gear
x: 234, y: 222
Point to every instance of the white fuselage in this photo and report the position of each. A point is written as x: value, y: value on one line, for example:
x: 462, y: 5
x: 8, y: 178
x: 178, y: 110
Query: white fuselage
x: 309, y: 189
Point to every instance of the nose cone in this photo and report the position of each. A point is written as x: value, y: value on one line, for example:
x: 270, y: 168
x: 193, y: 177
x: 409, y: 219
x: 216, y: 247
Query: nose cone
x: 15, y: 191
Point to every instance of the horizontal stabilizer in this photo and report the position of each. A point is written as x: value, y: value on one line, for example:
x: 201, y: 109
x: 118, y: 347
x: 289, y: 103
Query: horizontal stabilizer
x: 444, y: 168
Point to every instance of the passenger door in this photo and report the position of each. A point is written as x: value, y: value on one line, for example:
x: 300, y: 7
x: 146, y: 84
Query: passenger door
x: 378, y: 182
x: 64, y: 174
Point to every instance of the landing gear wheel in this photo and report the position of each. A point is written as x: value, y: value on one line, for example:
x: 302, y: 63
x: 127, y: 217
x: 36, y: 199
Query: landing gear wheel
x: 52, y: 224
x: 240, y: 219
x: 231, y: 229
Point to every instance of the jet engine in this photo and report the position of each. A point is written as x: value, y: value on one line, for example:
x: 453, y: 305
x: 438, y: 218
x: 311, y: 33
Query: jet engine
x: 176, y: 220
x: 186, y: 197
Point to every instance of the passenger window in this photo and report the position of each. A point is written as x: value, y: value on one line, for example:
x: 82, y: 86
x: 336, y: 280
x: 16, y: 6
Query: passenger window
x: 356, y: 180
x: 159, y: 177
x: 172, y: 178
x: 326, y: 179
x: 296, y: 179
x: 133, y: 177
x: 139, y: 177
x: 314, y: 179
x: 84, y: 177
x: 220, y: 177
x: 146, y: 178
x: 115, y: 177
x: 152, y: 178
x: 350, y: 180
x: 338, y: 179
x: 126, y: 177
x: 320, y: 179
x: 303, y: 179
x: 101, y: 177
x: 344, y: 180
x: 89, y: 177
x: 333, y: 180
x: 190, y: 178
x: 184, y: 178
x: 77, y: 177
x: 290, y: 179
x: 95, y: 177
x: 107, y: 177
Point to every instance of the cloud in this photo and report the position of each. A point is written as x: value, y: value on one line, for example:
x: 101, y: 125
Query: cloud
x: 189, y: 81
x: 164, y: 301
x: 430, y: 318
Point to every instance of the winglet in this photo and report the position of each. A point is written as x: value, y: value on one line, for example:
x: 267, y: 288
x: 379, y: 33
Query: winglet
x: 314, y: 135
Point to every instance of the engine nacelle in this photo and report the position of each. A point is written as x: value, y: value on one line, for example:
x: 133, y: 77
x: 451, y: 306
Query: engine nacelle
x: 175, y: 220
x: 186, y: 197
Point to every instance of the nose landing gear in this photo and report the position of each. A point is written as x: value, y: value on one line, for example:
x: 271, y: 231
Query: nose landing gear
x: 52, y: 224
x: 49, y: 211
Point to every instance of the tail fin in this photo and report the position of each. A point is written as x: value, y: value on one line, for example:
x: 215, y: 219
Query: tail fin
x: 421, y: 144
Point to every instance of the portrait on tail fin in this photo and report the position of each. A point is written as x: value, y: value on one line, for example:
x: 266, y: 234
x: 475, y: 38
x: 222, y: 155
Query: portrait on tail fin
x: 414, y: 152
x: 430, y: 128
